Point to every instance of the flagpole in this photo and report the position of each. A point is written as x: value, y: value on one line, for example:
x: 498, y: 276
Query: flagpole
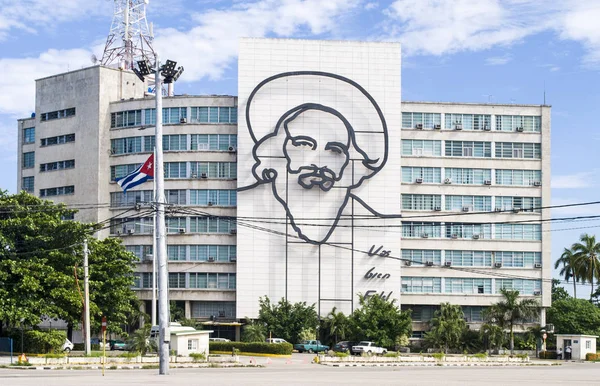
x: 154, y: 254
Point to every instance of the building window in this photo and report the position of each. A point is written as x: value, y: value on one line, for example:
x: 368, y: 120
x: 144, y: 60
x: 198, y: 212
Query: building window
x: 422, y: 256
x: 142, y: 280
x: 226, y: 170
x: 126, y: 145
x: 220, y: 253
x: 525, y: 204
x: 213, y: 115
x: 426, y: 121
x: 28, y: 160
x: 519, y: 123
x: 176, y: 196
x: 518, y: 232
x: 204, y: 197
x: 176, y: 252
x: 175, y: 169
x: 58, y: 114
x: 58, y: 140
x: 518, y: 259
x: 468, y: 258
x: 29, y: 135
x: 212, y: 224
x: 177, y: 280
x: 206, y: 309
x: 473, y: 313
x: 125, y: 226
x: 216, y: 142
x: 176, y: 224
x: 430, y: 285
x: 467, y: 176
x: 175, y: 142
x: 420, y: 313
x: 468, y: 231
x: 518, y: 150
x: 142, y: 252
x: 170, y: 115
x: 131, y: 198
x: 588, y: 344
x: 203, y: 280
x: 468, y: 149
x: 421, y: 229
x: 119, y: 171
x: 126, y: 119
x: 468, y: 203
x: 192, y: 344
x: 421, y: 202
x: 418, y: 147
x: 427, y: 175
x: 468, y: 121
x: 59, y: 191
x: 58, y: 165
x: 27, y: 184
x: 518, y: 177
x: 468, y: 286
x: 524, y: 286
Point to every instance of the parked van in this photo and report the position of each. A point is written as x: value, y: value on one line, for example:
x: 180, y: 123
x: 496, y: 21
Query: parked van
x: 276, y: 340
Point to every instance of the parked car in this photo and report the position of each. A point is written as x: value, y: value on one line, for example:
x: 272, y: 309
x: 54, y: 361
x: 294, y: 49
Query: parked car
x: 98, y: 341
x: 368, y: 348
x: 67, y: 346
x: 118, y: 345
x: 276, y: 340
x: 310, y: 346
x: 219, y: 340
x: 344, y: 346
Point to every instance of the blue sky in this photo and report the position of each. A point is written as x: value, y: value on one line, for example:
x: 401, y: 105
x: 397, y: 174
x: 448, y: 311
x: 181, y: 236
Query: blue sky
x: 505, y: 51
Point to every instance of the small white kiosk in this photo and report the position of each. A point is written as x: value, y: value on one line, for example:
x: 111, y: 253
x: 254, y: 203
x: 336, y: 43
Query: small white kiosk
x: 580, y: 345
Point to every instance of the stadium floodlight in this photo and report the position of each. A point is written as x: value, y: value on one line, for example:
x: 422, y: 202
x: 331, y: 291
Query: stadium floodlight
x: 169, y: 72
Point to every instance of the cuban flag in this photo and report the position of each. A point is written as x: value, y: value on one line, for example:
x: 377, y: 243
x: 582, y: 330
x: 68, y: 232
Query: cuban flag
x: 138, y: 176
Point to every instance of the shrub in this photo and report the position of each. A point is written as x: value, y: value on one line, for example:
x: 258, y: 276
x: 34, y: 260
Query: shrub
x: 253, y: 347
x: 522, y: 356
x: 592, y: 357
x: 480, y: 355
x: 198, y: 356
x: 78, y: 346
x: 438, y: 355
x: 547, y: 354
x: 131, y: 354
x: 391, y: 354
x: 341, y: 354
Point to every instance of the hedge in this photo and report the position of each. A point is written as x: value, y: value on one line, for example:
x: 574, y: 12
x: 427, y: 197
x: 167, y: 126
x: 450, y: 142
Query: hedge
x: 592, y: 357
x: 548, y: 354
x: 251, y: 347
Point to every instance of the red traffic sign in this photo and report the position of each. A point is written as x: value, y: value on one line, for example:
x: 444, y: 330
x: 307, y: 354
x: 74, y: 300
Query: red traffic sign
x: 103, y: 323
x: 545, y: 336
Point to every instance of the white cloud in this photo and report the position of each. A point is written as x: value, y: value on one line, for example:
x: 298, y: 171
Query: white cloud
x: 580, y: 23
x: 574, y: 181
x: 498, y: 60
x: 371, y: 5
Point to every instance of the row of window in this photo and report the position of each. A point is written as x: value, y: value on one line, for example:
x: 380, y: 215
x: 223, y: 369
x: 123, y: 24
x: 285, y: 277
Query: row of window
x: 57, y: 140
x: 58, y: 165
x: 472, y: 231
x: 58, y: 114
x: 195, y: 280
x: 452, y: 121
x: 511, y: 259
x: 174, y: 115
x: 428, y: 202
x: 474, y: 149
x: 421, y: 313
x: 224, y: 170
x: 201, y: 197
x: 176, y: 142
x: 58, y: 191
x: 209, y: 253
x: 144, y: 225
x: 466, y: 176
x: 468, y: 286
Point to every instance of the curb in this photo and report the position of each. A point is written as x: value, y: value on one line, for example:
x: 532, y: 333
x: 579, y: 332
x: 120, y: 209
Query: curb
x: 252, y: 354
x: 129, y: 367
x: 418, y: 364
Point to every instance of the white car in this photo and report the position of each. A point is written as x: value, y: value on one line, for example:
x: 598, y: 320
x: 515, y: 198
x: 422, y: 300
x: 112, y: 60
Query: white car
x: 219, y: 340
x: 368, y: 348
x: 67, y: 346
x: 276, y: 340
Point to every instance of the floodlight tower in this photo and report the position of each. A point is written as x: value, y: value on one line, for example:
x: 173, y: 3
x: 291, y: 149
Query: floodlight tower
x: 130, y: 39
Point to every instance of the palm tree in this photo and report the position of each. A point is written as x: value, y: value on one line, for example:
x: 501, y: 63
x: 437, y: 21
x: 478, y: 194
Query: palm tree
x: 447, y: 326
x: 140, y: 340
x: 337, y: 324
x: 586, y: 254
x: 568, y: 261
x: 492, y: 335
x: 254, y: 331
x: 510, y: 311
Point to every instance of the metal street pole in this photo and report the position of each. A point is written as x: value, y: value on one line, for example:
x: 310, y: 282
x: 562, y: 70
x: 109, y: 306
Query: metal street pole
x: 154, y: 266
x: 86, y: 290
x: 161, y: 240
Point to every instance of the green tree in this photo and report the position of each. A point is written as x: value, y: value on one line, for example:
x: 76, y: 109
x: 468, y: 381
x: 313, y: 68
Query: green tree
x: 337, y: 324
x: 587, y: 263
x: 574, y: 316
x: 286, y: 320
x: 253, y: 331
x: 558, y: 292
x: 567, y: 263
x: 511, y: 311
x: 140, y: 340
x: 447, y: 327
x: 492, y: 335
x: 380, y: 321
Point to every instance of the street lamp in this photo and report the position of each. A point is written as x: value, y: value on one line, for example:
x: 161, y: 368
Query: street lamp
x: 22, y: 338
x: 170, y: 74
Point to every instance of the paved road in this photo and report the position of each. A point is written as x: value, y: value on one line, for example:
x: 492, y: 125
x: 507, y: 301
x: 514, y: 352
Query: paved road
x: 299, y: 373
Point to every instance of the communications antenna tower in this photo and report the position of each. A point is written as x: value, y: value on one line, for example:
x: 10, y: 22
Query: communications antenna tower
x: 130, y: 39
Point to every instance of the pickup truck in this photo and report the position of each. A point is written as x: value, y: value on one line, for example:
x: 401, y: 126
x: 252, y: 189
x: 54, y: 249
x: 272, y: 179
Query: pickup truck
x: 367, y: 348
x: 310, y: 346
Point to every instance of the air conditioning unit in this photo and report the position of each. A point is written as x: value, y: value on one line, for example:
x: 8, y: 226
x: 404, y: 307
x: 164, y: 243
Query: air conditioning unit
x: 487, y: 128
x: 118, y: 233
x: 233, y: 231
x: 448, y: 181
x: 181, y: 230
x: 194, y: 175
x: 498, y: 265
x: 498, y: 209
x: 437, y: 208
x: 520, y: 129
x: 475, y: 237
x: 210, y: 259
x: 130, y: 231
x: 419, y: 126
x: 537, y: 293
x: 429, y: 263
x: 487, y: 182
x: 454, y: 236
x: 466, y: 209
x: 203, y: 175
x: 233, y: 258
x: 458, y: 126
x: 210, y: 203
x: 419, y: 180
x: 231, y: 149
x: 448, y: 264
x: 408, y: 263
x: 537, y: 265
x: 425, y: 235
x: 183, y: 120
x: 437, y: 127
x: 537, y: 183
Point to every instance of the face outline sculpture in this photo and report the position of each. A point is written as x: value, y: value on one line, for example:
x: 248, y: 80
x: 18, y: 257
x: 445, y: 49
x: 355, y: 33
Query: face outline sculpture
x: 320, y: 158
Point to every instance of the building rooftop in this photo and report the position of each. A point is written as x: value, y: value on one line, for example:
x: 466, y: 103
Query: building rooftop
x: 475, y: 104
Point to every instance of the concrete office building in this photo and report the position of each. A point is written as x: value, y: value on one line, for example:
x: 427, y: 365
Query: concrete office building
x: 453, y: 189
